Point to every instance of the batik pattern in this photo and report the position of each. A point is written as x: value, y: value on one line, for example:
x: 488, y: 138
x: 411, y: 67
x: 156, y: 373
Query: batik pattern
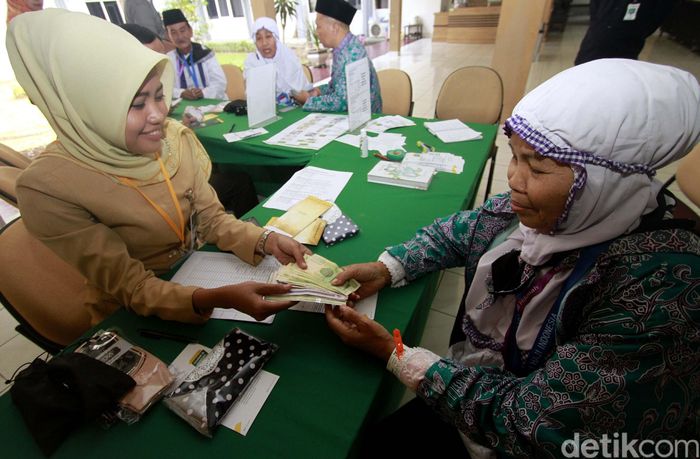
x: 627, y: 357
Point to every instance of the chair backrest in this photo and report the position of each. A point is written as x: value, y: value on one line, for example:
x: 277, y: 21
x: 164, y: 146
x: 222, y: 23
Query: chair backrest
x: 471, y: 94
x: 43, y: 292
x: 8, y: 179
x: 688, y: 173
x: 13, y: 158
x: 397, y: 92
x: 307, y: 73
x: 235, y: 83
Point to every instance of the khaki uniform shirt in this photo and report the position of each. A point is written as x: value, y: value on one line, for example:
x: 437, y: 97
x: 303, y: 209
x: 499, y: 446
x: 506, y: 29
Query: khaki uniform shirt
x: 118, y: 241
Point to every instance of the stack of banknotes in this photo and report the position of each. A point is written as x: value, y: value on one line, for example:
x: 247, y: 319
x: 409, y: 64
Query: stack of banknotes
x: 313, y: 284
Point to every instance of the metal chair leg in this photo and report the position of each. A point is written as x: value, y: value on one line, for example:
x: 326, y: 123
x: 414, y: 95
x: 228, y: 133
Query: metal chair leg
x: 492, y: 158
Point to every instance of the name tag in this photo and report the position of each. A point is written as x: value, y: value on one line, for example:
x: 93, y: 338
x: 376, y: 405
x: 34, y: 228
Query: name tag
x: 631, y: 13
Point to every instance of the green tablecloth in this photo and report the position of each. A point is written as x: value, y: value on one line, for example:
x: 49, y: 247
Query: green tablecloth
x: 327, y: 391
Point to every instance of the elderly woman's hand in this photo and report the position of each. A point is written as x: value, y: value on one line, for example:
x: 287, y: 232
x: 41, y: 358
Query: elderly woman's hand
x: 286, y: 249
x: 372, y: 277
x: 360, y: 331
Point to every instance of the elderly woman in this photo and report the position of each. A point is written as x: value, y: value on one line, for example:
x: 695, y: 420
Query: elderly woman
x: 123, y: 193
x: 290, y: 74
x: 581, y: 319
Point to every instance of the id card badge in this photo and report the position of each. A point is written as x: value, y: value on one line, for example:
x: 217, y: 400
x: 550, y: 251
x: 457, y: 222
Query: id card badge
x: 631, y: 13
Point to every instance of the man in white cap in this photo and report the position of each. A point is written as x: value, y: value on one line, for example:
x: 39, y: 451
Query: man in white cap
x: 333, y: 18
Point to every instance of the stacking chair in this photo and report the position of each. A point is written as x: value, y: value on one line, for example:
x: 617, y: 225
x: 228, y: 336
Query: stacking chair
x: 307, y: 73
x: 235, y: 83
x: 41, y: 291
x: 473, y: 95
x: 397, y: 92
x: 8, y: 179
x: 687, y: 176
x: 10, y: 157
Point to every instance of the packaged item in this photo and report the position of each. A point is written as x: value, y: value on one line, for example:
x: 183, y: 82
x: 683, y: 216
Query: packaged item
x: 150, y: 373
x: 203, y: 396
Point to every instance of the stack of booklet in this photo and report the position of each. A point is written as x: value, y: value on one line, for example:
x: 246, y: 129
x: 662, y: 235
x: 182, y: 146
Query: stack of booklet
x: 451, y: 131
x: 313, y: 284
x: 404, y: 175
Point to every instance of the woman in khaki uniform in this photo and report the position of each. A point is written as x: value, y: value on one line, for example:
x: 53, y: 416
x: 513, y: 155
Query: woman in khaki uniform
x: 122, y: 194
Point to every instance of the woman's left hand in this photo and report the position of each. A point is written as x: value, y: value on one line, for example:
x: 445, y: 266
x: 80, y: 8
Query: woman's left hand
x: 360, y: 331
x: 286, y: 249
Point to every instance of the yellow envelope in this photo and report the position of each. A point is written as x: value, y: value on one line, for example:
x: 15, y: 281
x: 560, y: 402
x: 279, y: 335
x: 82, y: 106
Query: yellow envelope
x: 309, y: 235
x: 302, y: 214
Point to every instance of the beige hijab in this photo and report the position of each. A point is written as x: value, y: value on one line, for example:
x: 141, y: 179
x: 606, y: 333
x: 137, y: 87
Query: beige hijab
x: 83, y: 73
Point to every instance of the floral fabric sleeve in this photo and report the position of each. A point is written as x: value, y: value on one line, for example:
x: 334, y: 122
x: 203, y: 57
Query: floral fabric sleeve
x: 457, y: 240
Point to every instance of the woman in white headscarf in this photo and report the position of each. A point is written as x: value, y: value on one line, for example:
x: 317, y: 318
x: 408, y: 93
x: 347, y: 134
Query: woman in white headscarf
x: 122, y: 194
x: 581, y: 316
x: 290, y: 75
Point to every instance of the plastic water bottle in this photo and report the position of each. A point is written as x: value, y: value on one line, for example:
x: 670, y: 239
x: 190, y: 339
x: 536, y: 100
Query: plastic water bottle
x: 364, y: 144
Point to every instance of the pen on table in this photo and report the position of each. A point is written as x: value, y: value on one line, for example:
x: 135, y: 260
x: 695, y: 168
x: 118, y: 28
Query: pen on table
x: 232, y: 127
x: 399, y: 343
x: 157, y: 334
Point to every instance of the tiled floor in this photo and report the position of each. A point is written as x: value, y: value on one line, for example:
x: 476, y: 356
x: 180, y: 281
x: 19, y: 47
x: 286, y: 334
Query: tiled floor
x: 428, y: 64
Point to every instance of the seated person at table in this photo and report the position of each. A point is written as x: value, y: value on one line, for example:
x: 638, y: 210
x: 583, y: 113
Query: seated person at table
x: 581, y: 315
x: 145, y: 36
x: 290, y: 74
x: 333, y: 18
x: 197, y: 72
x: 123, y: 193
x: 235, y: 189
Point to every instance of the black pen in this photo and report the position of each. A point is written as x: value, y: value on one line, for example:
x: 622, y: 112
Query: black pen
x: 232, y: 126
x: 157, y: 334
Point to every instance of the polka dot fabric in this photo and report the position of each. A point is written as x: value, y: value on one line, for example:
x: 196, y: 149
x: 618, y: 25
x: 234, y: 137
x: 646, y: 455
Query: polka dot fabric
x: 342, y: 228
x: 205, y: 395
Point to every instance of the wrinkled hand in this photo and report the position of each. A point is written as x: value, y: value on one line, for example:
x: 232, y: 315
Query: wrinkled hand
x: 372, y: 277
x: 286, y: 249
x: 360, y: 331
x: 301, y: 97
x: 192, y: 94
x: 247, y: 297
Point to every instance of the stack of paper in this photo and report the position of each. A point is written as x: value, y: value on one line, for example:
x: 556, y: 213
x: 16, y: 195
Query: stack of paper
x: 313, y: 132
x: 240, y: 135
x: 451, y: 131
x: 404, y: 175
x: 385, y: 123
x: 442, y: 162
x: 313, y: 284
x: 381, y: 143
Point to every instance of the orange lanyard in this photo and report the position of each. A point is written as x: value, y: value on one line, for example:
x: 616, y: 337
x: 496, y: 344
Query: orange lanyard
x: 179, y: 231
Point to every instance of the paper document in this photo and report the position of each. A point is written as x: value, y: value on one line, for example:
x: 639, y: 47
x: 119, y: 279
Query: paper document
x: 367, y: 306
x: 381, y: 143
x: 216, y: 269
x: 451, y: 131
x: 325, y: 184
x: 240, y: 135
x: 312, y: 132
x: 261, y: 95
x: 8, y: 212
x: 385, y: 123
x: 443, y: 162
x: 243, y: 412
x: 357, y: 78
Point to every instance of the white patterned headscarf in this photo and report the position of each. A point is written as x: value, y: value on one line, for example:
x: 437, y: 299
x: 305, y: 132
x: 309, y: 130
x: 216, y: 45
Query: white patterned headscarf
x: 615, y: 121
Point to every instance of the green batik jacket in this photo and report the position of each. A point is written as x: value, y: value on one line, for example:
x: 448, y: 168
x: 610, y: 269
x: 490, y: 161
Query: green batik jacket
x: 334, y: 96
x: 627, y: 354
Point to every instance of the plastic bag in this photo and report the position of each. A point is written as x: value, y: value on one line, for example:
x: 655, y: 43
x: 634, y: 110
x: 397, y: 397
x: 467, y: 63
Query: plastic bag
x: 204, y: 396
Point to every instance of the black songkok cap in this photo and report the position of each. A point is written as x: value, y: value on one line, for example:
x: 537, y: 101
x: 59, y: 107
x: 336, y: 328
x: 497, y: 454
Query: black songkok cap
x: 337, y: 9
x: 175, y: 16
